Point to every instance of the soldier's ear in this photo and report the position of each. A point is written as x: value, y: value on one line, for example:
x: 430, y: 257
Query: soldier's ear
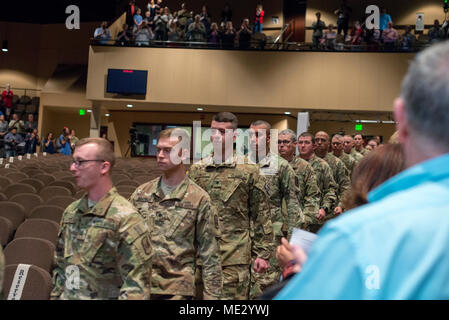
x: 105, y: 167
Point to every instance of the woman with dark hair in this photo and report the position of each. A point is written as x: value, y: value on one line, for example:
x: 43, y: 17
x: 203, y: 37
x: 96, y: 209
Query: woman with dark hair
x: 63, y: 142
x: 49, y: 145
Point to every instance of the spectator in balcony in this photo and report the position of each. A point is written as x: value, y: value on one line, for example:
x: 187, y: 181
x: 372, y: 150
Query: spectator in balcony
x: 73, y: 139
x: 384, y: 19
x: 160, y: 25
x: 151, y: 6
x: 197, y: 30
x: 318, y: 26
x: 18, y: 124
x: 228, y: 37
x: 32, y: 140
x: 205, y: 18
x: 174, y: 19
x: 390, y: 36
x: 244, y: 35
x: 183, y: 15
x: 7, y: 96
x: 138, y: 20
x: 148, y: 19
x: 143, y: 35
x: 13, y: 140
x: 125, y: 36
x: 174, y: 33
x: 131, y: 9
x: 214, y: 36
x: 330, y: 38
x: 407, y: 40
x: 63, y: 142
x: 3, y: 131
x: 102, y: 34
x: 258, y: 21
x: 30, y: 124
x: 49, y: 144
x: 356, y: 34
x: 343, y: 14
x: 190, y: 20
x: 435, y: 33
x: 226, y: 14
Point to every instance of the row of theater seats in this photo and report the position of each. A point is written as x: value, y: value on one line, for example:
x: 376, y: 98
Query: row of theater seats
x: 33, y: 195
x: 25, y: 104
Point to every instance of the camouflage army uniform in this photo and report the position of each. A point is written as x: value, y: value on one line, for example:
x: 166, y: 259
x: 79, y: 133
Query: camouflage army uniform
x: 108, y: 245
x: 357, y: 156
x: 238, y: 192
x: 341, y: 178
x: 328, y: 188
x: 310, y: 193
x: 282, y: 186
x: 363, y: 152
x: 2, y: 270
x: 348, y: 161
x: 182, y: 224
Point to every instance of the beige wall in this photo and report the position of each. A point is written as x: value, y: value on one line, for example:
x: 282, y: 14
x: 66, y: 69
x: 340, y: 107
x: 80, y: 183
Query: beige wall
x: 282, y: 80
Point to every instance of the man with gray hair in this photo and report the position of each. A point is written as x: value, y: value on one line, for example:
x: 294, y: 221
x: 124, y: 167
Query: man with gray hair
x: 348, y: 147
x: 395, y: 247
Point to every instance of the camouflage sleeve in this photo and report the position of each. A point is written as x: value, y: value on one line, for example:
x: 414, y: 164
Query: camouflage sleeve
x: 260, y: 216
x: 193, y: 173
x: 135, y: 258
x: 311, y: 194
x: 329, y: 188
x: 58, y: 277
x: 2, y: 270
x: 344, y: 183
x: 208, y: 249
x: 291, y: 194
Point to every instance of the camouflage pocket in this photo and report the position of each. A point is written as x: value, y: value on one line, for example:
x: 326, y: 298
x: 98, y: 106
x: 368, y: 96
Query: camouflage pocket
x: 96, y: 236
x: 229, y: 189
x: 182, y: 224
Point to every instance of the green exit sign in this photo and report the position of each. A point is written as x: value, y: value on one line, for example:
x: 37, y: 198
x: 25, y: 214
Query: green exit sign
x: 82, y: 112
x: 358, y: 127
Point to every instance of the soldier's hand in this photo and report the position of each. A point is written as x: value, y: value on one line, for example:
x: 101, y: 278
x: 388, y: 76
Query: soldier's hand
x: 321, y: 214
x: 338, y: 210
x: 261, y: 265
x: 284, y: 253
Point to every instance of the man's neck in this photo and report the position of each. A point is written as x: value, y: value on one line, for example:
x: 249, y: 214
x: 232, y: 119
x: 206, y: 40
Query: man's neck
x: 100, y: 189
x: 358, y: 148
x: 348, y: 152
x: 321, y: 154
x: 174, y: 176
x: 338, y: 153
x: 307, y: 157
x: 289, y: 157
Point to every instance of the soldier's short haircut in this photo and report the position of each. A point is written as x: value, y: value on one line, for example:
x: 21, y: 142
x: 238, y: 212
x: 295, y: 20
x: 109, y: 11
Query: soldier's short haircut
x: 105, y: 151
x: 349, y: 136
x: 226, y: 117
x: 338, y: 136
x: 262, y: 123
x: 358, y: 134
x: 307, y: 134
x: 180, y: 133
x: 289, y: 132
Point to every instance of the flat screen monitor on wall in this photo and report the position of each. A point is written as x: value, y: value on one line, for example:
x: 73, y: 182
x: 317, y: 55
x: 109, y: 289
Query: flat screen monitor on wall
x: 127, y: 81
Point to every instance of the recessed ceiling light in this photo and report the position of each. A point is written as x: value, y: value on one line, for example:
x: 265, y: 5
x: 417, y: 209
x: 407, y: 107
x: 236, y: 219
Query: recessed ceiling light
x: 107, y: 114
x: 287, y: 112
x: 88, y: 110
x: 129, y: 105
x: 199, y: 109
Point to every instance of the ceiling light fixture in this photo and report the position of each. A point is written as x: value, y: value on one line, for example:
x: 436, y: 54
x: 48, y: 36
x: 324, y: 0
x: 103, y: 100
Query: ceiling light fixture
x: 129, y: 105
x: 199, y: 109
x: 107, y: 114
x: 287, y: 112
x: 5, y: 45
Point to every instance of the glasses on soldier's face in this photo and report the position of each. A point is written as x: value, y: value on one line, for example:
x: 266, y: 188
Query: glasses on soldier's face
x: 79, y: 163
x: 284, y: 142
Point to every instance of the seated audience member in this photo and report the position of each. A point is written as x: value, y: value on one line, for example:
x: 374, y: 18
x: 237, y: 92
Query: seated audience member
x: 138, y: 20
x: 174, y: 33
x: 356, y: 34
x: 407, y: 40
x: 390, y: 36
x: 13, y: 142
x: 3, y: 131
x: 330, y: 38
x: 214, y: 36
x: 228, y: 36
x: 49, y: 144
x: 143, y: 35
x: 435, y: 33
x: 197, y: 30
x: 7, y: 96
x: 63, y: 143
x: 125, y: 36
x: 318, y: 26
x: 73, y: 139
x: 18, y: 124
x: 372, y: 144
x: 244, y: 35
x: 102, y: 34
x: 30, y: 124
x: 32, y: 140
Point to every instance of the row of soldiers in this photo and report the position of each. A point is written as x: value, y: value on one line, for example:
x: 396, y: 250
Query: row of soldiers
x: 210, y: 233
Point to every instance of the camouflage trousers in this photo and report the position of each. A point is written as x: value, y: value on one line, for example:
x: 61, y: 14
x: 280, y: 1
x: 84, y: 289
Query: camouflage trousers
x: 236, y: 282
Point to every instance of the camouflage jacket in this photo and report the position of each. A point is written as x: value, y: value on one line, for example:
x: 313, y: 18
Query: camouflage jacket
x: 238, y: 192
x: 103, y: 252
x: 357, y: 156
x: 363, y: 152
x: 183, y: 225
x: 341, y: 176
x: 325, y: 182
x: 348, y: 161
x: 282, y: 185
x: 310, y: 194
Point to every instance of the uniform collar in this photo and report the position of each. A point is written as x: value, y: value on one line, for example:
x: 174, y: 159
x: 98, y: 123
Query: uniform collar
x: 101, y: 207
x: 230, y: 163
x: 178, y: 193
x: 435, y: 169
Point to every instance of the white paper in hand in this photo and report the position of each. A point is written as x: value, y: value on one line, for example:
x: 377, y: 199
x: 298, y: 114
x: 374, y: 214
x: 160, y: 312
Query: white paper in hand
x: 302, y: 238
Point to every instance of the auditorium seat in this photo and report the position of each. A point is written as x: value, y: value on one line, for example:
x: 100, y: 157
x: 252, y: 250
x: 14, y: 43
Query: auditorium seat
x: 143, y: 179
x: 4, y: 182
x: 45, y: 178
x: 6, y: 231
x: 61, y: 201
x: 17, y: 188
x: 52, y: 191
x: 36, y: 183
x: 117, y: 177
x: 62, y: 173
x: 3, y: 197
x: 12, y: 211
x: 38, y: 228
x: 38, y: 284
x: 127, y: 182
x: 16, y: 176
x: 53, y: 213
x: 38, y: 252
x: 64, y: 183
x: 28, y: 200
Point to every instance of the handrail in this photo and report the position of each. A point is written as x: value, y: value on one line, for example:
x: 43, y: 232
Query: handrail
x: 280, y: 35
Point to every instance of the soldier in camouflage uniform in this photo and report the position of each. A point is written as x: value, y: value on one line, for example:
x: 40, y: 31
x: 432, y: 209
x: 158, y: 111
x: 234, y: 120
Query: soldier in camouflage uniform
x: 282, y: 187
x: 104, y: 249
x: 183, y: 226
x: 238, y: 192
x: 358, y: 145
x: 309, y: 192
x: 339, y: 171
x: 325, y: 180
x: 2, y: 270
x: 348, y: 147
x: 337, y: 151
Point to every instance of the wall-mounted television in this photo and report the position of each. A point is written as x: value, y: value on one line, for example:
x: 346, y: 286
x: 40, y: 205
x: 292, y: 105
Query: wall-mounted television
x: 127, y: 81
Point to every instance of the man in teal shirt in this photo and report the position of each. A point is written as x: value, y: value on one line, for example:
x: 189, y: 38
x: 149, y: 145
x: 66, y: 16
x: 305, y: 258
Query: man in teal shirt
x: 395, y: 247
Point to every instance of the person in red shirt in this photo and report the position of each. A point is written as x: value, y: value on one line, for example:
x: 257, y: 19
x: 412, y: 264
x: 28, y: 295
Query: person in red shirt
x: 258, y: 22
x: 7, y: 100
